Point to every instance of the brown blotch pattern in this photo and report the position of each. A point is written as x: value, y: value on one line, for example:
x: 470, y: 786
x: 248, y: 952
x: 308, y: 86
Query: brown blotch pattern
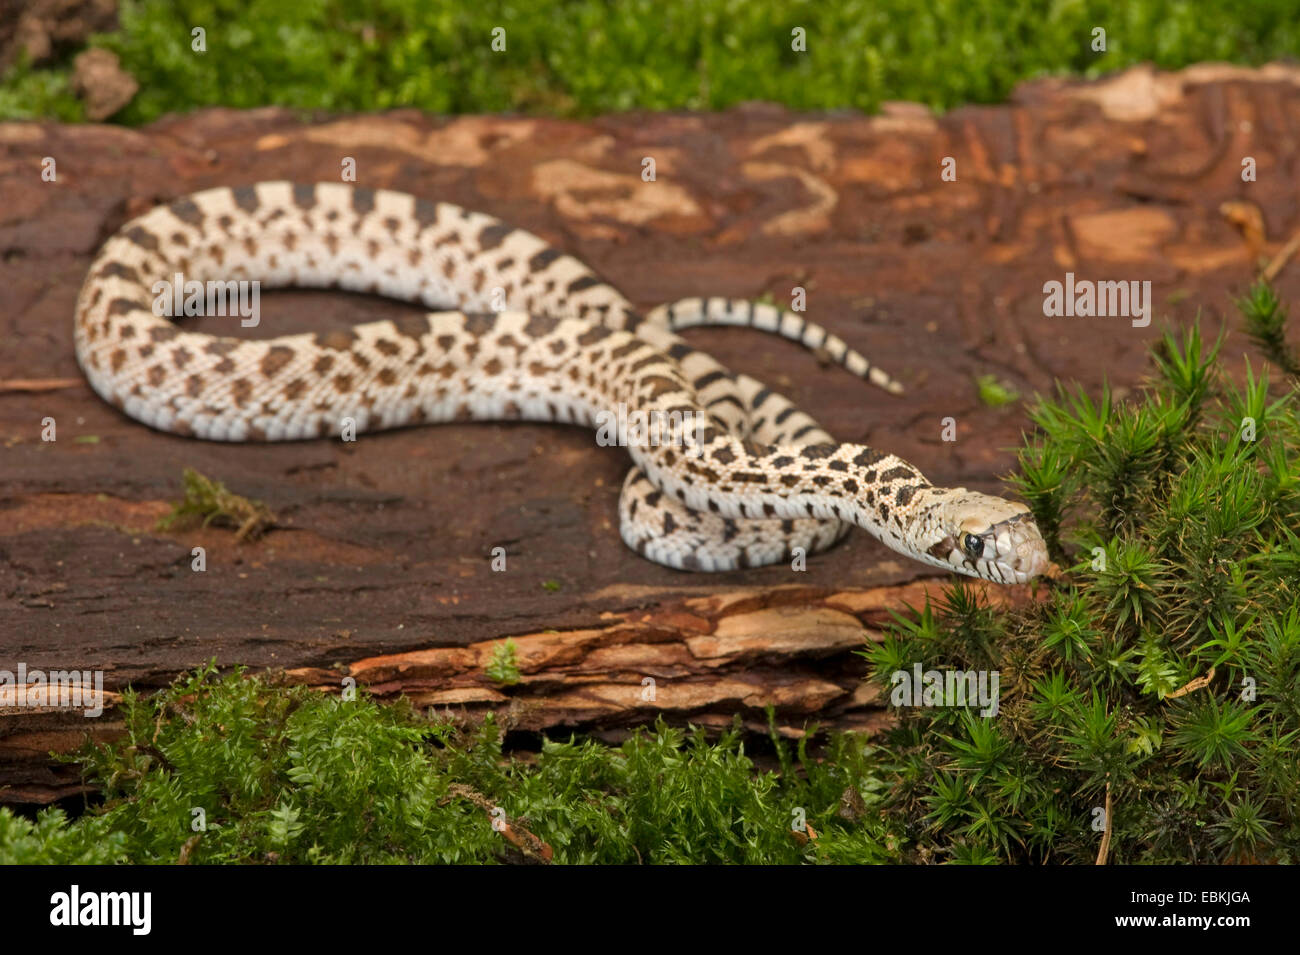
x: 276, y: 357
x: 898, y: 474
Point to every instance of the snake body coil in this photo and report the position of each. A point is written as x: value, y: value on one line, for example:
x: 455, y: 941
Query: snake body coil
x: 749, y: 481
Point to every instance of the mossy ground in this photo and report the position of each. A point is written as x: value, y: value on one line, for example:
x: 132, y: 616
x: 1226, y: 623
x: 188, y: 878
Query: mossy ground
x: 583, y: 57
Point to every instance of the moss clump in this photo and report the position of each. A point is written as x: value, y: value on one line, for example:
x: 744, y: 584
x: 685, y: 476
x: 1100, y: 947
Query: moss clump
x: 246, y: 770
x: 583, y: 57
x: 209, y: 502
x: 994, y: 392
x: 503, y: 668
x: 1266, y: 323
x: 1161, y: 679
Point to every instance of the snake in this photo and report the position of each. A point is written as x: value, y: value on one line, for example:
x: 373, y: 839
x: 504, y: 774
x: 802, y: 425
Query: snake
x: 515, y: 329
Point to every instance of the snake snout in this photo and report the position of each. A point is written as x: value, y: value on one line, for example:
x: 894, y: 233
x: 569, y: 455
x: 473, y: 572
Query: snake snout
x: 1031, y: 557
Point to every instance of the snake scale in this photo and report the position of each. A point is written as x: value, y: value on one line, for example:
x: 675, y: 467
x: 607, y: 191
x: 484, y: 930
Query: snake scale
x: 754, y: 478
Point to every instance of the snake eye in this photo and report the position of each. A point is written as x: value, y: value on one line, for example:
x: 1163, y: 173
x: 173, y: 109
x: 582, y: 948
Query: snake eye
x: 973, y: 546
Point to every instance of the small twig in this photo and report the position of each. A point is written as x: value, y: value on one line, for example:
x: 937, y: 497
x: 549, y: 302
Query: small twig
x: 519, y: 837
x: 1192, y: 686
x: 1249, y: 221
x: 38, y: 384
x: 188, y: 848
x: 1280, y: 260
x: 1104, y: 850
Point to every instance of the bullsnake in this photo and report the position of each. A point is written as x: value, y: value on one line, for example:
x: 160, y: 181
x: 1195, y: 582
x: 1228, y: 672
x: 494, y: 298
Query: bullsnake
x: 751, y: 481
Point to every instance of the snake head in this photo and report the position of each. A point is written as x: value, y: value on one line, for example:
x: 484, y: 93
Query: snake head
x: 984, y: 536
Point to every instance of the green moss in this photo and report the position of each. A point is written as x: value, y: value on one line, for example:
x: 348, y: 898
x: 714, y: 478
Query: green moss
x: 1163, y: 672
x: 250, y: 771
x: 994, y: 392
x: 582, y: 57
x: 1266, y: 322
x: 503, y: 668
x: 38, y: 94
x: 209, y: 502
